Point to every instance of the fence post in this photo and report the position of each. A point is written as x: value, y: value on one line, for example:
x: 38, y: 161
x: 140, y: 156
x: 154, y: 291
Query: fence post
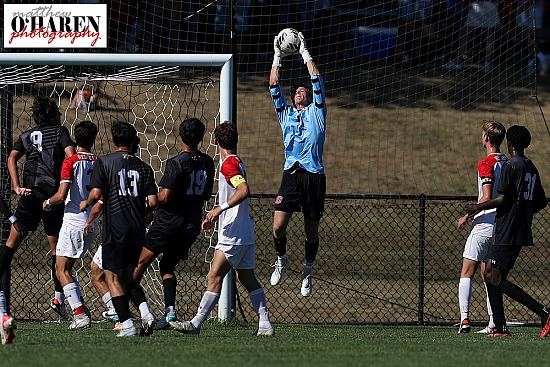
x: 421, y: 266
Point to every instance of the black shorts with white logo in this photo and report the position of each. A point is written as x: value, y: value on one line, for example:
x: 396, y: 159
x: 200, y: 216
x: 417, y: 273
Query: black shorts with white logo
x: 30, y: 212
x: 504, y: 257
x: 302, y: 191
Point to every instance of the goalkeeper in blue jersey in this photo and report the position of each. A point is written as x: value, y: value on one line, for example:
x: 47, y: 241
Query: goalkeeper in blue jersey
x: 303, y: 184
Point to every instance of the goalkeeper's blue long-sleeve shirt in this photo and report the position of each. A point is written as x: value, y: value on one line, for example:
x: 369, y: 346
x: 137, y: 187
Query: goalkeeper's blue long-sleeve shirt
x: 303, y: 130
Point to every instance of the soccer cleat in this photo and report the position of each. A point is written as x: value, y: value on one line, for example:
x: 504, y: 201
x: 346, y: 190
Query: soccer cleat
x: 487, y: 330
x: 59, y: 309
x: 185, y: 327
x: 464, y: 327
x: 147, y: 325
x: 307, y: 284
x: 265, y: 331
x: 171, y: 315
x: 130, y: 331
x: 496, y: 333
x: 162, y: 324
x: 280, y: 268
x: 6, y: 331
x: 81, y: 321
x: 110, y: 315
x: 545, y: 327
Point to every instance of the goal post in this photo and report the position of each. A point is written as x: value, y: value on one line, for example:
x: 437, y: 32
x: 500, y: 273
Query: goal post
x: 156, y: 106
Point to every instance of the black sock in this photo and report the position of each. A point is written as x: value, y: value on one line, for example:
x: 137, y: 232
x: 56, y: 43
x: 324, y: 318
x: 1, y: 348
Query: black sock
x: 497, y: 305
x: 311, y: 251
x: 135, y: 293
x: 57, y: 285
x: 169, y: 285
x: 519, y: 295
x: 280, y: 245
x: 122, y: 308
x: 6, y: 254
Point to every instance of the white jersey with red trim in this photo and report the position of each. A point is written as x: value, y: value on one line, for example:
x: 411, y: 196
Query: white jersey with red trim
x: 235, y: 225
x: 488, y: 170
x: 77, y: 171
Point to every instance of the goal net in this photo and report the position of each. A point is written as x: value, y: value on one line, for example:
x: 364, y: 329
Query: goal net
x: 155, y: 95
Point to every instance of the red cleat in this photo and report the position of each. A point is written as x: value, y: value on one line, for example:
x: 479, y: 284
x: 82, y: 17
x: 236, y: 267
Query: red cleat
x: 6, y: 331
x: 545, y: 328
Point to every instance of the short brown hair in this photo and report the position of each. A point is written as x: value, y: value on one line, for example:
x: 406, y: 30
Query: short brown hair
x: 227, y: 136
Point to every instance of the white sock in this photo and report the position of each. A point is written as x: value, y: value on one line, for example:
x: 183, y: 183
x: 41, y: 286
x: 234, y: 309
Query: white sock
x: 489, y: 309
x: 60, y: 297
x: 282, y: 259
x: 108, y: 300
x: 464, y: 297
x: 127, y: 323
x: 71, y: 292
x: 144, y: 309
x: 208, y: 302
x: 257, y: 297
x: 2, y: 304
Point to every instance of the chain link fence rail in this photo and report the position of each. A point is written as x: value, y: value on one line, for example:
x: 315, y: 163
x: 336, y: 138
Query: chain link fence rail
x: 392, y: 259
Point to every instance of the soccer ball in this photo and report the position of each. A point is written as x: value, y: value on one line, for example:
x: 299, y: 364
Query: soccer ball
x: 288, y: 41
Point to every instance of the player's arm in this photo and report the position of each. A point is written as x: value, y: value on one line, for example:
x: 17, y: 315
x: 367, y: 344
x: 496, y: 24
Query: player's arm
x: 490, y: 204
x: 13, y: 158
x: 164, y: 195
x: 152, y: 203
x: 59, y: 197
x: 95, y: 213
x: 67, y: 143
x: 93, y: 198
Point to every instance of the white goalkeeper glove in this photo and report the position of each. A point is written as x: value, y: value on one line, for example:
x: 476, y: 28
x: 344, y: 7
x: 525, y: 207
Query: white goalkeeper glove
x: 303, y: 50
x: 278, y: 53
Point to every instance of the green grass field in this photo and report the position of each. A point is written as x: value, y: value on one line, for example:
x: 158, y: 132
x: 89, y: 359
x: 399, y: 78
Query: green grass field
x: 40, y: 344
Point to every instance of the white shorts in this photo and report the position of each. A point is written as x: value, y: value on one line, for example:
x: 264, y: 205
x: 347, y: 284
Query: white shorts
x: 98, y: 258
x: 72, y: 243
x: 477, y: 247
x: 239, y: 256
x: 482, y: 14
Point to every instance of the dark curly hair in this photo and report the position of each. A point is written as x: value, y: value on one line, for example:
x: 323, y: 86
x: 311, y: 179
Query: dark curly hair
x: 45, y: 111
x: 85, y: 133
x: 192, y: 131
x: 227, y: 136
x: 294, y: 88
x: 518, y: 137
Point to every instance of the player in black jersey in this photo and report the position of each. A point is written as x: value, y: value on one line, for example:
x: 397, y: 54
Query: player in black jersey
x: 126, y: 183
x: 45, y: 146
x: 521, y: 195
x: 187, y: 183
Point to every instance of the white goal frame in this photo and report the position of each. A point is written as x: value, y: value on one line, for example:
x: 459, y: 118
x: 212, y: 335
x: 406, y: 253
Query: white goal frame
x: 226, y: 309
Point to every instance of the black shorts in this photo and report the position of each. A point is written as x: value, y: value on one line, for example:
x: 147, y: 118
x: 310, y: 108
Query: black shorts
x: 302, y: 191
x: 504, y: 257
x: 171, y: 237
x: 30, y: 212
x: 120, y: 255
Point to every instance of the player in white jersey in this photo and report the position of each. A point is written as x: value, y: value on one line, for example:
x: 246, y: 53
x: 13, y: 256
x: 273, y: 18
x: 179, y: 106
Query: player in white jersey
x: 235, y: 248
x: 479, y: 241
x: 72, y: 243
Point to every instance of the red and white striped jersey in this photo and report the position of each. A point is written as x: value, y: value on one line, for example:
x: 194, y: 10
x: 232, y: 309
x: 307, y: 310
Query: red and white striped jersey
x: 488, y: 170
x: 235, y: 225
x: 77, y: 170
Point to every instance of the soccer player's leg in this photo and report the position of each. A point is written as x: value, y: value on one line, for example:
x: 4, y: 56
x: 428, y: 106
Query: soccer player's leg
x: 97, y: 278
x: 219, y: 268
x: 245, y: 273
x: 493, y: 276
x: 53, y: 221
x: 470, y: 262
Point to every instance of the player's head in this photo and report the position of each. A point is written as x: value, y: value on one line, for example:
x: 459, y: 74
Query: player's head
x: 192, y: 131
x: 123, y: 134
x: 493, y: 132
x: 226, y: 135
x: 85, y: 133
x: 135, y: 146
x: 518, y: 137
x: 303, y: 92
x: 45, y: 111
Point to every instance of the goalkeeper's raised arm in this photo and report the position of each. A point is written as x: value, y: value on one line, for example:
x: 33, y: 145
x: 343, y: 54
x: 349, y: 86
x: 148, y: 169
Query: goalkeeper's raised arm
x: 303, y: 185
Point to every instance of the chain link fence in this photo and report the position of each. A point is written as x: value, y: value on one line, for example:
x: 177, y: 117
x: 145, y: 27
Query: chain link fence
x: 392, y: 259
